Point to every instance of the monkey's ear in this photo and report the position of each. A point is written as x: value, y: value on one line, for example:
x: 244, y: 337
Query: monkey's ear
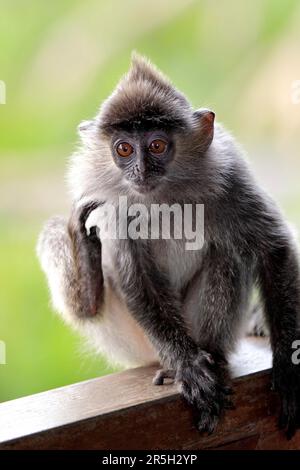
x: 204, y: 125
x: 85, y: 126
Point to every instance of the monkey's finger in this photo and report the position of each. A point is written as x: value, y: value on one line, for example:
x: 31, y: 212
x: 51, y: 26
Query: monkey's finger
x: 207, y: 422
x: 86, y: 210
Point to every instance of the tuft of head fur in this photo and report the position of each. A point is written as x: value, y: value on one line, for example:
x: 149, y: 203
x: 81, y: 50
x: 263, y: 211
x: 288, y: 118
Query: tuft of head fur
x: 144, y: 98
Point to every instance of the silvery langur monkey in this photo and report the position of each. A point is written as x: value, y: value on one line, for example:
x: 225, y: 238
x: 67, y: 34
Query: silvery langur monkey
x: 144, y: 301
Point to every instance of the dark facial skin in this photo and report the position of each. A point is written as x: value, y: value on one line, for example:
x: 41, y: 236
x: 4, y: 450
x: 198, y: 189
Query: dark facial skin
x: 143, y: 157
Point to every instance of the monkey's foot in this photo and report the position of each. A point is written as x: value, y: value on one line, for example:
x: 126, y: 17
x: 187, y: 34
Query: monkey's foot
x: 257, y: 325
x: 204, y: 386
x: 286, y: 381
x: 163, y: 374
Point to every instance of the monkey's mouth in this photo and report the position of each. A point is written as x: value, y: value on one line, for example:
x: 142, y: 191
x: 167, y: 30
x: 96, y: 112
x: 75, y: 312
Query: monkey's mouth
x: 146, y: 186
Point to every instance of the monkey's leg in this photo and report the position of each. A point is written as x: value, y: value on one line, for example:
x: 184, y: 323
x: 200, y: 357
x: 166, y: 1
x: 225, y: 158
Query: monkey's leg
x: 72, y: 263
x: 154, y: 304
x: 280, y: 288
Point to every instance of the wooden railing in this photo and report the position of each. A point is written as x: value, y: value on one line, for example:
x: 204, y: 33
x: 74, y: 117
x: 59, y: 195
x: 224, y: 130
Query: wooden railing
x: 125, y: 411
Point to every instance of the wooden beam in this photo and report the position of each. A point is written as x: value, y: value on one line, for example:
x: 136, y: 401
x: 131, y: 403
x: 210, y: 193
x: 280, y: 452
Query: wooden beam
x: 125, y: 411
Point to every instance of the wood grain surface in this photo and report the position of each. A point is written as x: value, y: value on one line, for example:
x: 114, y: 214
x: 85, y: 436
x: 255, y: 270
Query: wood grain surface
x: 125, y: 411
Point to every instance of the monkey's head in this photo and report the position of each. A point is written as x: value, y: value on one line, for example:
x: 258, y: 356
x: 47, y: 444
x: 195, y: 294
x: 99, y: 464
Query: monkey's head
x: 149, y: 132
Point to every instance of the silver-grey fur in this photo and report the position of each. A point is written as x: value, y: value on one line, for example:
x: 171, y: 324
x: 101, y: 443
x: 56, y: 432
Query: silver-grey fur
x: 159, y: 302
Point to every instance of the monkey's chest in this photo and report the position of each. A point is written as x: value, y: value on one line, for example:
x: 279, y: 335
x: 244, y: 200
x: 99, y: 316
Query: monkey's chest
x: 179, y: 263
x: 123, y: 339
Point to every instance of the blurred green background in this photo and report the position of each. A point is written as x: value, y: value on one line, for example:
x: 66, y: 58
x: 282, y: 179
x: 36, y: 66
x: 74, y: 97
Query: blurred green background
x: 59, y: 59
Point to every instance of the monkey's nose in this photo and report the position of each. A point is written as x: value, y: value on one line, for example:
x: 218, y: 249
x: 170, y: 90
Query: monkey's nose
x: 141, y: 172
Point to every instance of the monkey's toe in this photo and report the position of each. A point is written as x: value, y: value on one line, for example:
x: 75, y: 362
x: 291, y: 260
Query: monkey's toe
x: 257, y: 325
x: 163, y: 374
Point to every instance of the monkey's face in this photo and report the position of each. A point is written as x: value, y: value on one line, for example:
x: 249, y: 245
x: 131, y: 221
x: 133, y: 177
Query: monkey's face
x: 146, y: 138
x: 143, y: 157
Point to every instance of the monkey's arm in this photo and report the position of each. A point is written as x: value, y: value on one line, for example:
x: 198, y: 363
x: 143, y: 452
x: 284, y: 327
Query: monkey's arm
x: 72, y: 262
x: 280, y: 288
x: 155, y: 306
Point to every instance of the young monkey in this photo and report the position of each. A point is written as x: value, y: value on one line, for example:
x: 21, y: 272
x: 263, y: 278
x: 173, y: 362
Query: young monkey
x: 145, y: 301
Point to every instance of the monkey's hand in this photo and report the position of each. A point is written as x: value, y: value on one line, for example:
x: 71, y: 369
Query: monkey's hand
x: 203, y: 385
x: 88, y: 259
x: 286, y: 381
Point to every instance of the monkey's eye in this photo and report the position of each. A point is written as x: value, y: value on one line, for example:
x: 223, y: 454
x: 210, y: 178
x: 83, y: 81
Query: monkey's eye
x: 124, y: 149
x: 158, y: 146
